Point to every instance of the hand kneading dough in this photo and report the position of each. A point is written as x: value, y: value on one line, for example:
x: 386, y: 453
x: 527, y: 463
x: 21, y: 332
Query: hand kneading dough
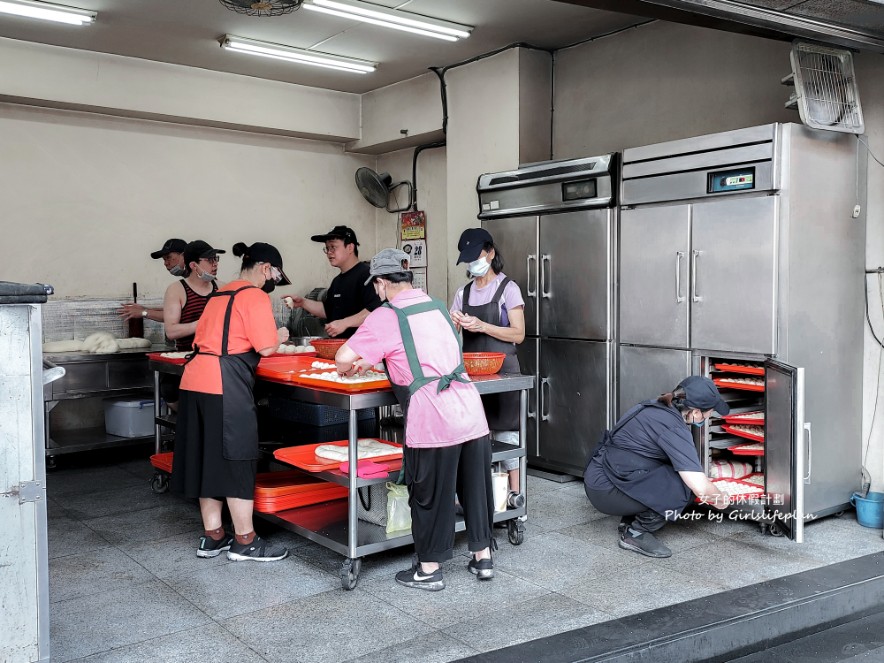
x: 100, y: 342
x: 63, y: 346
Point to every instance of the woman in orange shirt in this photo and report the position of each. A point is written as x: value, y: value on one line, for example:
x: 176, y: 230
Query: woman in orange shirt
x: 216, y: 446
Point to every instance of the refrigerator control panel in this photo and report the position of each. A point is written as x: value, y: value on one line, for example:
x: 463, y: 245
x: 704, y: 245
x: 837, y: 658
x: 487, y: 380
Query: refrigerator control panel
x: 731, y: 180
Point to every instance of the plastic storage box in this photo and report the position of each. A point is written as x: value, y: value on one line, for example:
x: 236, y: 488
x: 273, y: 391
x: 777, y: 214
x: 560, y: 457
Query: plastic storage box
x: 313, y: 414
x: 129, y: 417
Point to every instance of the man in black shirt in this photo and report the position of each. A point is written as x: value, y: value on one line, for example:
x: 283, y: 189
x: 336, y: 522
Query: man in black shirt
x: 348, y: 301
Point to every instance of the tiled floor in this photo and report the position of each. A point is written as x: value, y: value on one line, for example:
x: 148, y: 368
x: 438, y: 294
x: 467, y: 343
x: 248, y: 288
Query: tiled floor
x: 126, y: 585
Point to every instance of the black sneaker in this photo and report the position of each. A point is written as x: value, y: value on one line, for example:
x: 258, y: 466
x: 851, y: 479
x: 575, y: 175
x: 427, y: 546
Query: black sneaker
x: 258, y: 550
x: 415, y: 577
x: 482, y: 568
x: 209, y: 547
x: 643, y: 543
x: 515, y: 500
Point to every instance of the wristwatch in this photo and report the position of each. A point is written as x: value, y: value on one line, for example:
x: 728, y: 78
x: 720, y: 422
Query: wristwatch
x: 144, y: 313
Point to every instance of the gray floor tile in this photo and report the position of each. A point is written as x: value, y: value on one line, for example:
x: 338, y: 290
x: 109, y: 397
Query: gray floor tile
x: 538, y: 485
x: 71, y: 537
x: 355, y: 622
x: 380, y: 565
x: 554, y: 561
x: 77, y: 481
x: 433, y: 647
x: 174, y: 516
x: 502, y: 626
x: 464, y: 596
x: 94, y: 624
x: 826, y: 541
x: 173, y: 555
x: 556, y: 509
x: 93, y: 572
x: 86, y: 506
x: 645, y: 586
x: 207, y: 643
x: 234, y: 588
x: 733, y: 564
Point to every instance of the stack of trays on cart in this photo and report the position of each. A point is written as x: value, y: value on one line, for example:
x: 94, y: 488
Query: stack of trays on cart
x: 280, y: 491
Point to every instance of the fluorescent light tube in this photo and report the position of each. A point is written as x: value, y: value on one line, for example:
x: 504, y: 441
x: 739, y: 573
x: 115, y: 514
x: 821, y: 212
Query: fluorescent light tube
x: 391, y: 18
x: 48, y: 12
x: 297, y: 55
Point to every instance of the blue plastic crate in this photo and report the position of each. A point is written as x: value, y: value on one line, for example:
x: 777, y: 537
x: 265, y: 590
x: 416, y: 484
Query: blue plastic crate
x: 313, y: 414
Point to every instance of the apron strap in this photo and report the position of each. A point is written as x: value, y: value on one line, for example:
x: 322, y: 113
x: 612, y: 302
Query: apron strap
x: 227, y: 314
x: 417, y: 372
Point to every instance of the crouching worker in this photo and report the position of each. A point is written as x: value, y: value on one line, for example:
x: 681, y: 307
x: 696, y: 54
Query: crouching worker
x: 647, y: 469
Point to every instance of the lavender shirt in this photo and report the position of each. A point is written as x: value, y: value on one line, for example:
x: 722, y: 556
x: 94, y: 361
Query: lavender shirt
x: 512, y: 297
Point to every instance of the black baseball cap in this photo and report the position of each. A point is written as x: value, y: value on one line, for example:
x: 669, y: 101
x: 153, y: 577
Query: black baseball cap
x: 263, y: 252
x: 171, y: 246
x: 471, y: 243
x: 338, y: 232
x: 198, y: 249
x: 700, y: 392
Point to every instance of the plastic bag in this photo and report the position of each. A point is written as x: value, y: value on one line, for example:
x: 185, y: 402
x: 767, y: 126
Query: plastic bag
x: 398, y: 511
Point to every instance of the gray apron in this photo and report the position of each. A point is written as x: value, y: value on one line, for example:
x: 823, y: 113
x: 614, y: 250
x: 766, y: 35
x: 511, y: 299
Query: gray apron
x: 501, y: 410
x: 240, y: 417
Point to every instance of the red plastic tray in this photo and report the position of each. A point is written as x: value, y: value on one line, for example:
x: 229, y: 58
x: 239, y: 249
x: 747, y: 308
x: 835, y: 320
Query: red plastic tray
x: 329, y: 493
x: 157, y: 356
x: 162, y: 462
x: 270, y: 485
x: 742, y: 433
x: 724, y: 383
x: 754, y: 449
x: 283, y: 367
x: 743, y: 418
x: 305, y: 458
x: 734, y: 368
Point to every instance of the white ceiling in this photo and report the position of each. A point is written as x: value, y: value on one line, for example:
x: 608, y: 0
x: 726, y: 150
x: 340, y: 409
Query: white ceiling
x: 187, y: 32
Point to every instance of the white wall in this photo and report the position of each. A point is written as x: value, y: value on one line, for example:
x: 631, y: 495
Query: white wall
x: 88, y: 197
x: 664, y: 81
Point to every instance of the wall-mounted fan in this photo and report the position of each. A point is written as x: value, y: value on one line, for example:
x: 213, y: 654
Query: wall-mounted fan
x: 262, y: 7
x: 825, y: 94
x: 377, y: 187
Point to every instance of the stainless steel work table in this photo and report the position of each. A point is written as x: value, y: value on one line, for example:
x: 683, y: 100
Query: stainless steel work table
x: 336, y: 525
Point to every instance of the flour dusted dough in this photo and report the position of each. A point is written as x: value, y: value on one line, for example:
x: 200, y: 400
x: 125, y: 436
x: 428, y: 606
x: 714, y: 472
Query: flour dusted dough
x: 100, y: 342
x: 62, y: 346
x: 132, y: 343
x: 366, y: 448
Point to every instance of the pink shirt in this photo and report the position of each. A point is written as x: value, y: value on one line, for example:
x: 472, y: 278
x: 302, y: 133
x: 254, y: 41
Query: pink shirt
x: 451, y: 417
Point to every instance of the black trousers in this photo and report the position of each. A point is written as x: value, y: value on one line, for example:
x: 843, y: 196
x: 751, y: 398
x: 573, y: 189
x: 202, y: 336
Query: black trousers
x: 615, y: 502
x: 434, y: 476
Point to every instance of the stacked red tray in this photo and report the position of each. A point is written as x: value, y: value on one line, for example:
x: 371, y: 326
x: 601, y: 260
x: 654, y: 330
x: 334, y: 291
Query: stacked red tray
x: 280, y: 491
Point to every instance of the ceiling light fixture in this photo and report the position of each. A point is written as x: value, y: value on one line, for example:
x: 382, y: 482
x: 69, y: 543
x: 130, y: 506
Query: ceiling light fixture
x: 391, y: 18
x: 297, y: 55
x: 48, y: 12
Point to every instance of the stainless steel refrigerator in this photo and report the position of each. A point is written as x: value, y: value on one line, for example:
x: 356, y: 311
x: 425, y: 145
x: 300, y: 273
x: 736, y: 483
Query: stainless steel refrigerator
x: 555, y: 225
x: 744, y: 246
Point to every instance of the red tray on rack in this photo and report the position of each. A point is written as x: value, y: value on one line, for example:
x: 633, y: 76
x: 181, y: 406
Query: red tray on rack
x: 347, y: 387
x: 737, y: 368
x: 275, y: 484
x: 733, y: 430
x: 754, y: 449
x: 283, y: 367
x: 158, y: 356
x: 745, y: 418
x: 162, y: 462
x: 305, y: 458
x: 729, y: 384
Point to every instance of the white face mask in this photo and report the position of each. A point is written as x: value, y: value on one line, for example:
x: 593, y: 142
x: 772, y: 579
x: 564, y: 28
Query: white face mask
x: 208, y: 277
x: 479, y: 267
x: 176, y: 270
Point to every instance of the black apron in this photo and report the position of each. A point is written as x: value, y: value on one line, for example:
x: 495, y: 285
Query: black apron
x: 240, y: 417
x: 501, y: 410
x: 651, y: 481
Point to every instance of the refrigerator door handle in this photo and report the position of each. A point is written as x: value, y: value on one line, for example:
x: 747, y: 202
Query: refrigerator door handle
x: 679, y: 298
x: 531, y: 286
x: 694, y: 296
x: 544, y: 382
x: 545, y: 259
x: 808, y: 455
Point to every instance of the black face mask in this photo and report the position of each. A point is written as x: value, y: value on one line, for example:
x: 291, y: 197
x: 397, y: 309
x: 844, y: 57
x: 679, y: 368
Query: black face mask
x: 269, y: 286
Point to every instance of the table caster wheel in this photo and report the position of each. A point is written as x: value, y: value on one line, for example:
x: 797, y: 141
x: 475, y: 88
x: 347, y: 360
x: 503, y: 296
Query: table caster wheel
x: 515, y: 531
x: 350, y: 573
x: 159, y: 484
x: 50, y: 463
x: 776, y: 530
